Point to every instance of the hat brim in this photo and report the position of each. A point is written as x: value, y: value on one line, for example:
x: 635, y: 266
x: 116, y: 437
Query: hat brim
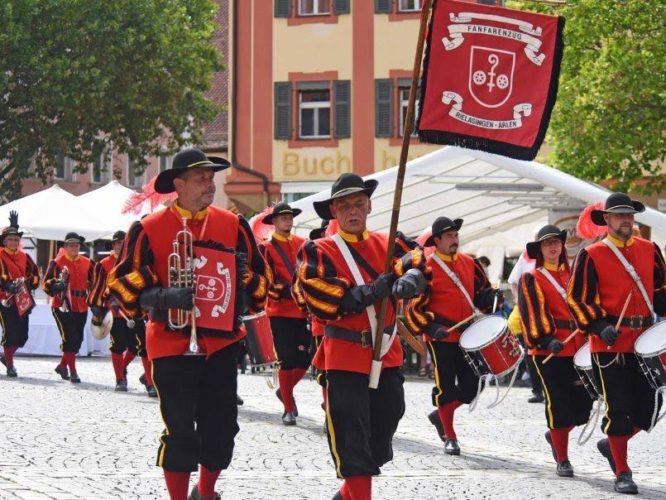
x: 323, y: 208
x: 457, y: 224
x: 597, y: 216
x: 164, y: 181
x: 3, y: 236
x: 317, y: 233
x: 269, y: 218
x: 534, y: 247
x: 80, y: 240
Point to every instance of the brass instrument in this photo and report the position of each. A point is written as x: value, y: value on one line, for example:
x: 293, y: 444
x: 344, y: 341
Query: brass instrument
x: 181, y: 275
x: 7, y: 301
x: 64, y: 278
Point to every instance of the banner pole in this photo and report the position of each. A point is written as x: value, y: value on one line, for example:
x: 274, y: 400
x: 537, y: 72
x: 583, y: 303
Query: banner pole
x: 399, y: 182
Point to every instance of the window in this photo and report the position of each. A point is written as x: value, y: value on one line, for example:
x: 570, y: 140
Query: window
x: 294, y: 191
x: 164, y: 162
x: 409, y: 5
x: 403, y: 95
x: 101, y: 168
x: 313, y: 7
x: 314, y: 114
x: 134, y: 180
x: 59, y: 167
x: 391, y: 102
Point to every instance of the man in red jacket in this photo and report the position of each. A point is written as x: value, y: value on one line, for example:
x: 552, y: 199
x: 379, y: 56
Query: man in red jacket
x: 68, y: 280
x: 196, y: 383
x: 457, y: 288
x: 343, y: 285
x: 291, y: 337
x: 599, y: 287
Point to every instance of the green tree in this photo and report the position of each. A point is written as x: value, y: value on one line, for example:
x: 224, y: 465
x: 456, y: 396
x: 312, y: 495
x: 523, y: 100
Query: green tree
x: 609, y: 120
x: 80, y: 77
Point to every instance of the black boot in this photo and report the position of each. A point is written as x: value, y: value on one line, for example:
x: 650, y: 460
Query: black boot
x: 625, y: 484
x: 434, y: 419
x: 564, y: 469
x: 604, y: 448
x: 289, y: 418
x: 451, y: 447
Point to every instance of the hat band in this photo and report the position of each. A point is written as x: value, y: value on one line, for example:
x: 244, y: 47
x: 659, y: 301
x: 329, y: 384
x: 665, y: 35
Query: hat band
x: 620, y: 206
x: 346, y: 191
x: 200, y: 163
x: 549, y: 235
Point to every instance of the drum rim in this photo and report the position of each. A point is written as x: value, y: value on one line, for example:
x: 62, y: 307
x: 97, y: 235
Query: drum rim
x: 492, y: 340
x: 253, y: 316
x: 658, y: 352
x: 587, y: 346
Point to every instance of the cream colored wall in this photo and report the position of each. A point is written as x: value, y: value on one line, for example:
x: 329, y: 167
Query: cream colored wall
x: 388, y: 156
x: 310, y: 164
x: 395, y: 43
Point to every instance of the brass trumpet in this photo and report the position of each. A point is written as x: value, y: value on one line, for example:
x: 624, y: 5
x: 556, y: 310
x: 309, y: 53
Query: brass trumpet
x: 181, y: 275
x: 7, y: 301
x: 64, y: 278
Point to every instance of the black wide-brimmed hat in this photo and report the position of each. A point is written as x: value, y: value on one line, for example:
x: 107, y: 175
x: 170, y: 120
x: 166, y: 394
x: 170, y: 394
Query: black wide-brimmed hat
x: 74, y: 238
x: 319, y: 232
x: 280, y: 209
x: 545, y: 233
x: 187, y: 158
x: 441, y: 225
x: 617, y: 203
x: 346, y: 184
x: 12, y: 229
x: 118, y: 236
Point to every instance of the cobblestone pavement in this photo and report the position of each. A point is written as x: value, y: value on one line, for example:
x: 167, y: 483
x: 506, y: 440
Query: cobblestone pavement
x: 62, y: 441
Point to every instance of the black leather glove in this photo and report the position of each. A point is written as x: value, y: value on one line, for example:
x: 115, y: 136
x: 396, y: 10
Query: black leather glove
x: 242, y: 268
x: 167, y: 298
x: 486, y: 299
x: 554, y: 345
x: 410, y: 284
x: 436, y: 331
x: 359, y: 297
x: 58, y: 286
x: 98, y: 312
x: 10, y: 287
x: 609, y: 335
x: 285, y: 293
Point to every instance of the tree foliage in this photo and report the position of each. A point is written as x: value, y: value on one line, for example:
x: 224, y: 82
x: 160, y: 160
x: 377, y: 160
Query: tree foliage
x: 79, y: 78
x: 609, y: 120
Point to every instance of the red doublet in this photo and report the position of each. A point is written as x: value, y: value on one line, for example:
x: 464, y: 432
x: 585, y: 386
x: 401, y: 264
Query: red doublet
x: 337, y: 354
x: 80, y: 270
x: 220, y: 226
x: 276, y: 304
x: 14, y: 265
x: 107, y: 264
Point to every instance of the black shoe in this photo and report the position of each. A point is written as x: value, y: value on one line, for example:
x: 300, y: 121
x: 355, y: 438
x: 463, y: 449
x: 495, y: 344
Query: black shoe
x: 433, y: 416
x: 142, y: 380
x: 550, y: 442
x: 62, y: 371
x: 451, y: 447
x: 152, y: 392
x: 121, y: 385
x: 11, y: 372
x: 625, y: 484
x: 604, y: 448
x: 279, y: 396
x: 239, y: 401
x: 289, y: 418
x: 536, y: 398
x: 565, y: 469
x: 74, y: 378
x: 195, y: 495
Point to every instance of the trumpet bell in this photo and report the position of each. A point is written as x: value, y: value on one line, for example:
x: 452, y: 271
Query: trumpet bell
x: 100, y: 332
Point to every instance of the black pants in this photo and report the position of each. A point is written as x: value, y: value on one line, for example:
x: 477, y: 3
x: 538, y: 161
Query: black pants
x: 567, y: 402
x: 291, y: 339
x: 71, y: 325
x: 320, y: 375
x: 528, y: 364
x: 140, y: 338
x: 14, y: 327
x: 628, y: 396
x: 198, y: 406
x: 360, y: 421
x: 123, y: 338
x: 454, y: 378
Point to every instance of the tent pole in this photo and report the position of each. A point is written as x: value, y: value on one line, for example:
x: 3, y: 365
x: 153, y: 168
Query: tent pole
x: 399, y: 182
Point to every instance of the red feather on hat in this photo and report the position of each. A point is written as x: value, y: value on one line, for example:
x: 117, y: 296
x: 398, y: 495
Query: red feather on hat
x: 260, y: 230
x: 587, y: 229
x: 135, y: 202
x: 422, y: 238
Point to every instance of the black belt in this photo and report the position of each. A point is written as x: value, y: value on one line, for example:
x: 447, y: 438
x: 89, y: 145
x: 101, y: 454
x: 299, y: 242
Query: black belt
x: 449, y: 323
x: 78, y: 293
x: 633, y: 322
x: 364, y: 338
x: 565, y: 324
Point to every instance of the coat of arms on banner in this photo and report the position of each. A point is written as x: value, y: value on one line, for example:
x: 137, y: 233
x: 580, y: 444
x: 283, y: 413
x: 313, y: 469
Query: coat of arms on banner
x: 214, y: 292
x: 490, y: 78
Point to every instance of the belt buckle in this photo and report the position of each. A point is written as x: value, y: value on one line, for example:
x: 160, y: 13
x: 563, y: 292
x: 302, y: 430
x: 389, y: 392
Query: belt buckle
x: 364, y: 339
x: 635, y: 322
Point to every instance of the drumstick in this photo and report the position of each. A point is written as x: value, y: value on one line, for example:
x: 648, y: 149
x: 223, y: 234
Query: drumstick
x: 130, y: 322
x: 459, y: 323
x: 619, y: 320
x: 573, y: 334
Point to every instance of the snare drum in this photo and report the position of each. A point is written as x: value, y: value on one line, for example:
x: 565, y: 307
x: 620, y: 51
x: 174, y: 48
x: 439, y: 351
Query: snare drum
x: 650, y: 349
x: 259, y: 339
x: 582, y: 361
x: 490, y: 348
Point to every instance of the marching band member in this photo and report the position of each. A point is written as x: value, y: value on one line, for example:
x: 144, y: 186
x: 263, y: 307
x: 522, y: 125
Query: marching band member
x: 16, y: 268
x: 546, y: 323
x: 360, y: 421
x: 196, y: 383
x: 291, y: 337
x: 457, y: 288
x: 600, y: 284
x: 67, y: 280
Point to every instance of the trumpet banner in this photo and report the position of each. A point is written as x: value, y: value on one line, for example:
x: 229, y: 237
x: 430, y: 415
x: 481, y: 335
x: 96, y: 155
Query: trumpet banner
x: 215, y: 288
x: 490, y: 78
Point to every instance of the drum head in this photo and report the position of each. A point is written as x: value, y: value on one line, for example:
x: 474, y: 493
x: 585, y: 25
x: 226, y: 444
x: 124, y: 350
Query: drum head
x: 482, y: 332
x: 652, y: 341
x: 583, y: 357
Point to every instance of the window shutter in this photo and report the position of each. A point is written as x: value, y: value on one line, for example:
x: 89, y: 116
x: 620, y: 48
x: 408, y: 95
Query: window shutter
x: 342, y: 89
x: 282, y: 103
x: 382, y: 6
x: 383, y: 108
x: 282, y: 8
x: 341, y: 7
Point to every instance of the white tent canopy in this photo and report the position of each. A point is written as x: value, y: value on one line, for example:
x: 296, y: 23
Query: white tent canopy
x: 107, y: 203
x: 492, y: 193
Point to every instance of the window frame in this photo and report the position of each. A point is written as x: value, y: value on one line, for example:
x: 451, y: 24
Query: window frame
x: 399, y: 9
x: 134, y: 181
x: 315, y: 105
x: 401, y: 116
x: 300, y: 13
x: 106, y: 168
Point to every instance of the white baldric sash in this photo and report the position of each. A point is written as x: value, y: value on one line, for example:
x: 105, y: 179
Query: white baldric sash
x: 632, y: 273
x: 554, y: 282
x: 370, y: 310
x: 456, y: 281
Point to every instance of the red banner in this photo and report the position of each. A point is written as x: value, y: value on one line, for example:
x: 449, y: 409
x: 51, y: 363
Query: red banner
x: 490, y: 78
x: 23, y: 299
x: 215, y: 288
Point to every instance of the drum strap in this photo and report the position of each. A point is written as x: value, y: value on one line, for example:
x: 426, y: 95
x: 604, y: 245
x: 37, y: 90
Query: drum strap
x: 283, y: 255
x: 358, y: 278
x: 551, y: 279
x: 631, y: 271
x: 456, y: 281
